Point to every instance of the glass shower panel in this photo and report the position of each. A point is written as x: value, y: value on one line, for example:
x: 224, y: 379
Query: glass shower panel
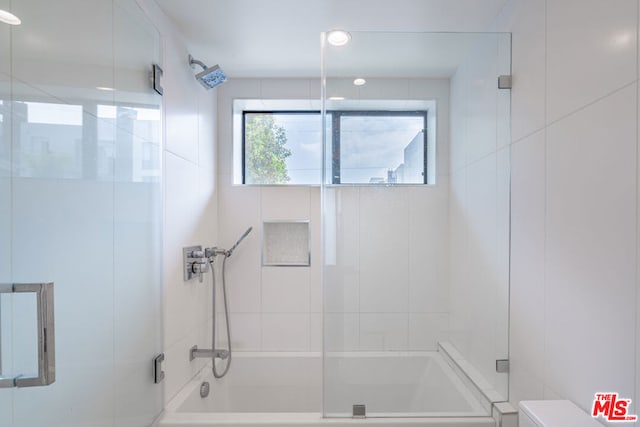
x: 404, y: 270
x: 80, y: 174
x: 6, y: 303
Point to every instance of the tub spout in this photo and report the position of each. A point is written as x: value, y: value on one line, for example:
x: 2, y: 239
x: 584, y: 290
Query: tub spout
x: 195, y: 353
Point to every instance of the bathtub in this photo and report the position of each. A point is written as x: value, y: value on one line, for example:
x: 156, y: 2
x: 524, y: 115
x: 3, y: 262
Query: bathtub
x: 286, y: 389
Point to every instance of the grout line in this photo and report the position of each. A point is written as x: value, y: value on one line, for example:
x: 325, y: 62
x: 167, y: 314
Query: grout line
x: 585, y: 106
x: 528, y: 134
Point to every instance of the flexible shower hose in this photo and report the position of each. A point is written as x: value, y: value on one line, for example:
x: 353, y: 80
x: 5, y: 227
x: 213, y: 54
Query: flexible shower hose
x: 226, y: 315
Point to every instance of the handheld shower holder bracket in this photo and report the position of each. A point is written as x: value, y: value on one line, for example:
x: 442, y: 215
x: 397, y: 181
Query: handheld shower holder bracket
x: 214, y: 252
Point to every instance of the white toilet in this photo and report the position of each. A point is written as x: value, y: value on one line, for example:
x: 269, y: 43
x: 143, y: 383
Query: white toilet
x: 554, y: 413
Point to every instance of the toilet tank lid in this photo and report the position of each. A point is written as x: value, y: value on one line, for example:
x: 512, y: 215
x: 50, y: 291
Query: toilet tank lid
x: 557, y: 413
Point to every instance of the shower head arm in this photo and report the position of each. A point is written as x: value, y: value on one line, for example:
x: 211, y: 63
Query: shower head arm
x: 193, y: 62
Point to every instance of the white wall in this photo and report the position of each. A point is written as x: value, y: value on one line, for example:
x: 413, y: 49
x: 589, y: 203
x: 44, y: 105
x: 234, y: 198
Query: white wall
x: 279, y: 308
x: 574, y: 287
x: 190, y: 202
x: 479, y: 208
x: 272, y: 308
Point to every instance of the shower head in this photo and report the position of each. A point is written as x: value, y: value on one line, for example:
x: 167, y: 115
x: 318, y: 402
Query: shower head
x: 235, y: 245
x: 209, y: 77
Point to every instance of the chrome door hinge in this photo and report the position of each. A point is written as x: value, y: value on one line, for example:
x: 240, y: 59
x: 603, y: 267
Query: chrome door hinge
x: 502, y: 366
x: 158, y: 373
x: 504, y: 82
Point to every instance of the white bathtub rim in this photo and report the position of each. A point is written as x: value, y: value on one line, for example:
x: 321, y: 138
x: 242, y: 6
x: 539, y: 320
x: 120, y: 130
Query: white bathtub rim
x: 313, y: 419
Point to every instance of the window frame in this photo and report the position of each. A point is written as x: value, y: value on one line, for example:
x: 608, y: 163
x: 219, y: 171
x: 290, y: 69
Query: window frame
x: 335, y: 138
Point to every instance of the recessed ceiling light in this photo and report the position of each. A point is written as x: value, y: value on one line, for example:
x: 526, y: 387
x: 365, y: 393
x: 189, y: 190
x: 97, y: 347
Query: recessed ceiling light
x: 359, y: 82
x: 336, y: 98
x: 105, y: 88
x: 338, y: 37
x: 9, y: 18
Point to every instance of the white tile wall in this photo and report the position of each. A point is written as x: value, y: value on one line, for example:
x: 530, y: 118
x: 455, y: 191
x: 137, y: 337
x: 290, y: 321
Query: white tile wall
x: 529, y: 65
x: 574, y: 200
x: 286, y: 203
x: 380, y: 274
x: 428, y: 248
x: 527, y: 267
x: 315, y: 332
x: 427, y: 329
x: 590, y: 247
x: 285, y: 331
x: 240, y: 208
x: 315, y: 270
x: 384, y: 331
x: 285, y: 290
x: 246, y: 330
x: 182, y: 311
x: 590, y: 51
x: 384, y: 250
x: 341, y: 331
x: 481, y: 99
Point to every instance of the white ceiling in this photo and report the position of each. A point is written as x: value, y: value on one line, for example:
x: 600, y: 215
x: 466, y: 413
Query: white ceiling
x: 281, y: 38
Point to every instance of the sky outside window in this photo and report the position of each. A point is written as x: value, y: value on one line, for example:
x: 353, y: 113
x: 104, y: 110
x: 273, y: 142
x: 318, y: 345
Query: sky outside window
x: 374, y: 148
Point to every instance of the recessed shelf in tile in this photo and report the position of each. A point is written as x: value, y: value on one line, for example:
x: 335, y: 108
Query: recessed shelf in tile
x: 286, y: 243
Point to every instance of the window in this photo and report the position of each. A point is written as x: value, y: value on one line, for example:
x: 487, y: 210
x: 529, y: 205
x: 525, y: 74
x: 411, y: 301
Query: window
x: 282, y: 147
x: 367, y: 146
x: 379, y: 147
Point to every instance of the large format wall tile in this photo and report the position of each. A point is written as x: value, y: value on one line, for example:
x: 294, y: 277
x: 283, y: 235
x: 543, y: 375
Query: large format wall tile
x: 590, y: 249
x: 591, y: 51
x: 527, y: 267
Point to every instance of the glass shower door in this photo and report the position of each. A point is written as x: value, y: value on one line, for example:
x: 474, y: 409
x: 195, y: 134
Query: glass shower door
x: 6, y: 394
x: 415, y: 224
x: 80, y: 206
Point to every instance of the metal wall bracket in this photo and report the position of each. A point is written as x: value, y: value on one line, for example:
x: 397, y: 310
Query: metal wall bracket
x: 359, y: 411
x: 157, y: 77
x: 158, y: 373
x: 502, y: 366
x: 504, y: 82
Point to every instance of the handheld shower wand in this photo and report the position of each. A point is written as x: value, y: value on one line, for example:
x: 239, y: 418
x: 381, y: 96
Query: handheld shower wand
x: 215, y: 251
x: 235, y: 245
x: 215, y: 353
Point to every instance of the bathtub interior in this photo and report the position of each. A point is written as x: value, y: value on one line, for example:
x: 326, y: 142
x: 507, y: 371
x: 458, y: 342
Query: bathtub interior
x: 262, y: 382
x: 414, y: 384
x: 419, y: 384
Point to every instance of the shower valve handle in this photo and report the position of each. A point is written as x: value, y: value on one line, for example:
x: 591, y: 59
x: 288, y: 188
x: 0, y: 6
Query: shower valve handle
x: 200, y: 267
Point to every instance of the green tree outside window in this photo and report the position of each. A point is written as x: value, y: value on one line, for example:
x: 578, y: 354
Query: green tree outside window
x: 266, y: 152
